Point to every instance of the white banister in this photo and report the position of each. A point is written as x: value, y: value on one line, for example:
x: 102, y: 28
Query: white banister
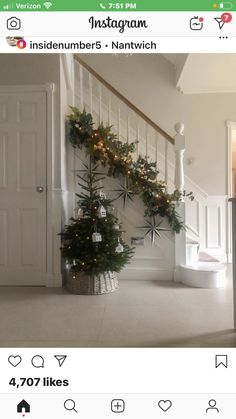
x: 180, y: 238
x: 179, y: 148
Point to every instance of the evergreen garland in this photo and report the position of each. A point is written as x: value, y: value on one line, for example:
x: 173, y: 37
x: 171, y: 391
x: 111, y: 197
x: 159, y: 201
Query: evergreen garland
x: 104, y: 148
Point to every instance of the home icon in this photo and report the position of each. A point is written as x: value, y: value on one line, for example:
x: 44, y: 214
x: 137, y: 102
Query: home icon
x: 23, y: 407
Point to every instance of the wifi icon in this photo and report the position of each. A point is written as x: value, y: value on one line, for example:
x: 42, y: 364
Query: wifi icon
x: 47, y: 4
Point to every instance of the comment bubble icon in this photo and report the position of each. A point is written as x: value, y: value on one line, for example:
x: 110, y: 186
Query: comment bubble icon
x: 37, y: 361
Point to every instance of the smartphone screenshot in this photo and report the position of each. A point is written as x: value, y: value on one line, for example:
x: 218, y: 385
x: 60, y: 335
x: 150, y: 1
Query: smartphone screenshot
x: 117, y: 209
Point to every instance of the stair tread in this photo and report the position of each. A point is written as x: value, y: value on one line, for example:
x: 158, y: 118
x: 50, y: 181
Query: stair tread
x: 205, y: 267
x: 205, y: 257
x: 190, y: 241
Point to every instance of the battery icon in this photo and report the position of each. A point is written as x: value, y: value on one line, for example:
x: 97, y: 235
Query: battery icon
x: 226, y: 6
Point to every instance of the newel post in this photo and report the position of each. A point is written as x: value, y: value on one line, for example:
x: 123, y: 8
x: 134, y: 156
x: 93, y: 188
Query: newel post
x: 180, y: 238
x: 179, y: 148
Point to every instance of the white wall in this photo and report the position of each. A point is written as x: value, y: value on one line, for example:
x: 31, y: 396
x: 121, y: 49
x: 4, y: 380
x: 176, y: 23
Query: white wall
x: 30, y: 69
x: 149, y: 81
x: 208, y: 73
x: 206, y: 116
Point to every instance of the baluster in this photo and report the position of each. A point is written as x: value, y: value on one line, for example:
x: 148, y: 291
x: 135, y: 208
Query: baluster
x: 137, y: 136
x: 109, y: 109
x: 166, y: 161
x: 156, y: 146
x: 179, y: 148
x: 81, y: 83
x: 119, y: 123
x: 146, y: 135
x: 90, y: 93
x: 100, y: 102
x: 128, y: 122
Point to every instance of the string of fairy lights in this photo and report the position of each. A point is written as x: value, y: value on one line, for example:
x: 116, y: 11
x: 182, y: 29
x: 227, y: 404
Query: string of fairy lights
x: 92, y: 243
x: 139, y: 176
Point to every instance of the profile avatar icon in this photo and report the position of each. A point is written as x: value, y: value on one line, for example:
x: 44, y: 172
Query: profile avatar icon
x: 12, y: 40
x: 212, y: 406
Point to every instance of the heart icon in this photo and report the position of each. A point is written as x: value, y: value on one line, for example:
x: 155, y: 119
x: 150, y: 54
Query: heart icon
x: 14, y: 360
x: 164, y: 405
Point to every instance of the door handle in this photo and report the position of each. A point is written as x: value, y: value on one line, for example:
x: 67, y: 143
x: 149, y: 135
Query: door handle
x: 40, y: 189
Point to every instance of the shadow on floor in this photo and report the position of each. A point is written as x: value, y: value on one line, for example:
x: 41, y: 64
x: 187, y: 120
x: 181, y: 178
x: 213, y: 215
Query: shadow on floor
x: 224, y: 338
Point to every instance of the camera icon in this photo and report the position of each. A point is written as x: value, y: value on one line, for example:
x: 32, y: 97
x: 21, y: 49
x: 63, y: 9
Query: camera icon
x: 13, y: 24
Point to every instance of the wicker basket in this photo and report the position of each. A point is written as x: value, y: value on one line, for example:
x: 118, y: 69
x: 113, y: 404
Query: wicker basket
x: 92, y: 284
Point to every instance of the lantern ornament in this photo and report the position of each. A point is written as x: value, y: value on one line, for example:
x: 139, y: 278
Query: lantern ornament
x: 67, y: 265
x: 79, y: 213
x: 102, y: 195
x: 101, y: 212
x: 96, y: 237
x: 119, y: 248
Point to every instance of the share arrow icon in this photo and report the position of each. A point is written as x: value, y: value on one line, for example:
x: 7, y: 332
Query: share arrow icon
x: 220, y: 22
x: 61, y: 359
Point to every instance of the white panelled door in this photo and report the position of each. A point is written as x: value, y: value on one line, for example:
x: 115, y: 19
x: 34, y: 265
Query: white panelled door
x: 23, y: 188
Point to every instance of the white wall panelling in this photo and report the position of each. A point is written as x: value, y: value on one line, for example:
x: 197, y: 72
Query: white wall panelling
x: 206, y: 220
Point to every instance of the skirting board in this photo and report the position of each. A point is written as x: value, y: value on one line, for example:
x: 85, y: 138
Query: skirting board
x: 13, y: 278
x: 147, y: 274
x: 54, y: 281
x: 50, y: 281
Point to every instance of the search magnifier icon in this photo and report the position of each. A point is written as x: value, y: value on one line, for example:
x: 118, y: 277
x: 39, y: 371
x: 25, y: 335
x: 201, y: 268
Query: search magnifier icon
x: 69, y: 404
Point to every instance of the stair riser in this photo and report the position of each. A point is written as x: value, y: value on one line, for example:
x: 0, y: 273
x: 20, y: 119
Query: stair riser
x: 147, y: 274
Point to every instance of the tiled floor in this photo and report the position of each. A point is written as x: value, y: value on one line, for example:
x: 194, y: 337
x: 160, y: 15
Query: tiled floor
x: 140, y: 314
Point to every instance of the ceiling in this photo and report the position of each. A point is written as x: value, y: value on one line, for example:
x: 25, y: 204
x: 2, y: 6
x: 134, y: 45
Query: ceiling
x: 204, y: 73
x: 170, y: 57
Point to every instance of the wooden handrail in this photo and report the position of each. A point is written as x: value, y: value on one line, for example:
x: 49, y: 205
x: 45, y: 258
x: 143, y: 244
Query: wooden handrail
x: 125, y: 100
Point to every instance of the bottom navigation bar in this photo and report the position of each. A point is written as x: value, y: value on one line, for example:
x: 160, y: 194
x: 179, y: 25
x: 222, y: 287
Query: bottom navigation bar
x: 135, y: 406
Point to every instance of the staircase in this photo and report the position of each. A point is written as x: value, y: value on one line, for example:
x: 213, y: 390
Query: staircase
x: 169, y: 254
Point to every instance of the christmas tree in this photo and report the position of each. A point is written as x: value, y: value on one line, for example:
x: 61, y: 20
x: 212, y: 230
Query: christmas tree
x: 92, y: 243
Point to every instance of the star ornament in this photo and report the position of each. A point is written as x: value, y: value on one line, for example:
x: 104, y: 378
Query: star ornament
x: 86, y: 171
x: 92, y: 170
x: 153, y: 229
x: 125, y: 193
